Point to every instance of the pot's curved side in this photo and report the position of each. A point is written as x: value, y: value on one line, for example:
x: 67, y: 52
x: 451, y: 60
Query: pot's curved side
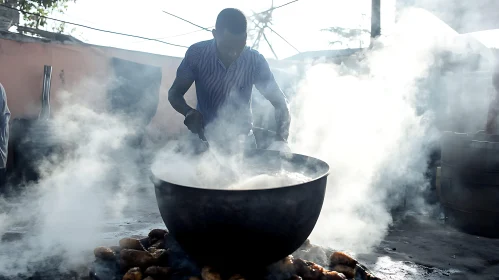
x: 244, y: 229
x: 241, y: 228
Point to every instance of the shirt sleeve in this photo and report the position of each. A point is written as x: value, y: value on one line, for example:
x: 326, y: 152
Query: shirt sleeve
x: 2, y: 98
x: 188, y: 67
x: 264, y: 79
x: 4, y: 127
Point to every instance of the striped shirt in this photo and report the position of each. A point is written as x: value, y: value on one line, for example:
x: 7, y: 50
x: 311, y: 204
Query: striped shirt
x: 4, y: 127
x: 224, y: 94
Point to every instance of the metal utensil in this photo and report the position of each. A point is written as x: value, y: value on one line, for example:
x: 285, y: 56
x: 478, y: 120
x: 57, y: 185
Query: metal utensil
x: 231, y: 174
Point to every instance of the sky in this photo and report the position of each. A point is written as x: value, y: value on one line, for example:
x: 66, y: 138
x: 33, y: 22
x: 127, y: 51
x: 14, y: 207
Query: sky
x: 300, y: 23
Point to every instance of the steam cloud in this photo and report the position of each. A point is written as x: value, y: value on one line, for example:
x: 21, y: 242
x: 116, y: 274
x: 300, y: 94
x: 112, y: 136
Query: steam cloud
x: 95, y: 181
x: 375, y: 130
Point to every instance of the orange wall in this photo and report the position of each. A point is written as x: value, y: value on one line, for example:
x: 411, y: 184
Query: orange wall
x: 82, y: 70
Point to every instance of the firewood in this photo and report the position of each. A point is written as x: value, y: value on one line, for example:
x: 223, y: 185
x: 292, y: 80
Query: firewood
x: 152, y: 250
x: 312, y: 253
x: 333, y: 275
x: 116, y: 249
x: 135, y: 258
x: 158, y: 272
x: 157, y: 234
x: 161, y: 256
x: 364, y: 273
x: 133, y: 274
x: 146, y: 242
x: 342, y: 258
x: 286, y: 265
x: 341, y: 268
x: 308, y: 270
x: 312, y: 271
x: 160, y: 244
x: 131, y: 243
x: 104, y: 253
x: 236, y: 277
x: 207, y: 273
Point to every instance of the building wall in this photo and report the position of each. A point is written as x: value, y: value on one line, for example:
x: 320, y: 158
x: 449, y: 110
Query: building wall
x: 81, y: 74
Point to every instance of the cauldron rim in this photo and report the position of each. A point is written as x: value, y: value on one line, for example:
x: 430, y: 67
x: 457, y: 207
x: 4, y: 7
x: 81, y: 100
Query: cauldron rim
x: 157, y: 180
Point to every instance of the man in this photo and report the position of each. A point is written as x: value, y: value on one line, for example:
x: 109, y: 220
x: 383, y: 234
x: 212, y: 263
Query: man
x: 4, y: 135
x: 224, y: 71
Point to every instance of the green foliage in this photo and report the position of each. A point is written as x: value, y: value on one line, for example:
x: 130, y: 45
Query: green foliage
x: 39, y: 7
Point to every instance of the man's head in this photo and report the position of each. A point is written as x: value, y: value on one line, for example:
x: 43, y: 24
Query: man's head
x: 230, y: 33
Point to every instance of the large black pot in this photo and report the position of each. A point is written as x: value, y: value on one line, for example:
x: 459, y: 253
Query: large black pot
x: 245, y: 229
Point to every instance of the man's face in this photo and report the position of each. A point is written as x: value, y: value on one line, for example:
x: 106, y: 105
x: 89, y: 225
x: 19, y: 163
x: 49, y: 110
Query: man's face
x: 229, y: 45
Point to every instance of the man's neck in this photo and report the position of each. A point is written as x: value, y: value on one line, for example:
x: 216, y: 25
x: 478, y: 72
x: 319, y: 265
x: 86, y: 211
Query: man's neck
x: 227, y: 61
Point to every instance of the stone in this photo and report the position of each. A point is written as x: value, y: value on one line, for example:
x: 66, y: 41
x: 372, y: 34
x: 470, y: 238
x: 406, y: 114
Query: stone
x: 134, y: 258
x: 104, y: 253
x: 131, y: 243
x: 133, y: 274
x: 157, y: 234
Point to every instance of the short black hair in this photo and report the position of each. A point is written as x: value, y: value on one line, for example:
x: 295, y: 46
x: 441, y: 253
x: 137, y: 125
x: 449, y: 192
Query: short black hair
x: 233, y: 20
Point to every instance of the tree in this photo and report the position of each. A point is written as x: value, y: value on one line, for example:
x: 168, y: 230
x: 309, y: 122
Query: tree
x: 39, y: 9
x: 349, y: 34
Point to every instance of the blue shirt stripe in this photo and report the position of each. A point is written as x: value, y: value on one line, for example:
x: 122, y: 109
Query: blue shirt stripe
x: 4, y: 127
x: 226, y: 90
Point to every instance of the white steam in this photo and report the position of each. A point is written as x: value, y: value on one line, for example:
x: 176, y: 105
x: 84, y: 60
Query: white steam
x: 215, y: 170
x: 370, y: 128
x: 94, y: 180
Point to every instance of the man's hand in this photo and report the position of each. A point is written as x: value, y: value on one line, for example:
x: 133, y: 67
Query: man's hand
x: 194, y: 121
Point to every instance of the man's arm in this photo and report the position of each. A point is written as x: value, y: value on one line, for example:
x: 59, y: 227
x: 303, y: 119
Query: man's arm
x: 176, y: 95
x: 186, y: 74
x: 268, y: 87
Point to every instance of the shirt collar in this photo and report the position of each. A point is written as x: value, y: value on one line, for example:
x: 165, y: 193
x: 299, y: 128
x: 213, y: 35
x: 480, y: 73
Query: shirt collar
x: 213, y: 48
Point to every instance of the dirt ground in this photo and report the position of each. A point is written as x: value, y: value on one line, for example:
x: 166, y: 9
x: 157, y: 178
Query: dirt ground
x: 421, y: 248
x: 416, y: 247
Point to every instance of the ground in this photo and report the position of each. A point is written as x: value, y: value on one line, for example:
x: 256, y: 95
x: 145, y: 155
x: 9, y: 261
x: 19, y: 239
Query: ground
x: 416, y: 247
x: 422, y: 248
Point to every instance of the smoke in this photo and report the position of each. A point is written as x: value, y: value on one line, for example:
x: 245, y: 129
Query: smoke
x: 375, y: 130
x: 93, y: 180
x: 378, y: 130
x: 377, y: 124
